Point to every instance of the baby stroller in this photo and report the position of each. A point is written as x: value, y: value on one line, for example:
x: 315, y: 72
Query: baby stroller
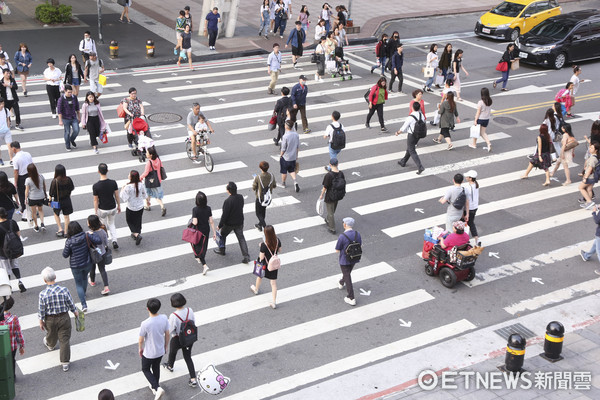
x: 141, y: 138
x: 342, y: 66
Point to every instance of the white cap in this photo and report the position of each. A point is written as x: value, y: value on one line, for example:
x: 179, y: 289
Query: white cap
x: 471, y: 173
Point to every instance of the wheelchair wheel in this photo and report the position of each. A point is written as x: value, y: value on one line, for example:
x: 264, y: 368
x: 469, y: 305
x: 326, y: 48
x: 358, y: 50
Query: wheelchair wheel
x: 471, y: 275
x: 448, y: 277
x: 188, y: 150
x: 428, y: 269
x: 350, y: 77
x: 208, y: 162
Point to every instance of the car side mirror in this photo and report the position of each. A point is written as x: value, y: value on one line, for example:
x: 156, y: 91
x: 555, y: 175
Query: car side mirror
x: 526, y: 15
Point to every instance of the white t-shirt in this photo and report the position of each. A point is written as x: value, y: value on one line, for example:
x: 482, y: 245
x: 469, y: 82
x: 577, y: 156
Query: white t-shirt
x: 409, y: 123
x: 9, y: 95
x: 575, y: 79
x: 432, y: 60
x: 7, y: 66
x: 201, y: 126
x: 319, y: 31
x: 329, y: 130
x: 54, y: 75
x: 485, y: 110
x: 3, y: 117
x: 21, y: 160
x: 472, y: 194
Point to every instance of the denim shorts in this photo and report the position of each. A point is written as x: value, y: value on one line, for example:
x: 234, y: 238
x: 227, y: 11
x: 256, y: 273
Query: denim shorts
x: 483, y: 122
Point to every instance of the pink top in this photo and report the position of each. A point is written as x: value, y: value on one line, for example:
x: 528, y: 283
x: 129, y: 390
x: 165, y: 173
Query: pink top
x: 422, y: 103
x: 156, y: 164
x: 454, y: 239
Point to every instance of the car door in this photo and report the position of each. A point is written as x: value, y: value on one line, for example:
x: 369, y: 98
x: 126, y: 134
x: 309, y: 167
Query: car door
x: 547, y: 9
x: 529, y: 18
x: 594, y: 39
x: 579, y: 42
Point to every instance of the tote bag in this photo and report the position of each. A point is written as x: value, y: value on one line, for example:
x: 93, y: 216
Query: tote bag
x: 474, y: 131
x: 428, y: 72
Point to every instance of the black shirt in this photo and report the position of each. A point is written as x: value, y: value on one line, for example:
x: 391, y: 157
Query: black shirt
x: 267, y: 252
x: 233, y: 211
x: 327, y: 182
x: 105, y: 190
x: 202, y: 215
x: 65, y: 187
x: 6, y: 198
x: 5, y: 225
x: 342, y: 17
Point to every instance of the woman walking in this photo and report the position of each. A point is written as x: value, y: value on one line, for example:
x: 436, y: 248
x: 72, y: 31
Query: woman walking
x: 154, y: 164
x: 507, y: 57
x: 134, y: 108
x: 203, y: 221
x: 271, y: 246
x: 8, y: 91
x: 98, y: 229
x: 92, y: 119
x: 381, y: 51
x: 265, y: 10
x: 281, y: 17
x: 35, y: 193
x: 587, y: 183
x: 52, y: 78
x: 73, y: 74
x: 77, y: 250
x: 320, y: 31
x: 432, y: 62
x: 472, y: 193
x: 377, y: 98
x: 565, y: 156
x: 8, y: 192
x: 303, y: 18
x: 541, y: 159
x: 565, y: 97
x: 448, y: 119
x: 125, y: 12
x: 321, y: 52
x: 482, y: 118
x: 23, y: 61
x: 457, y: 66
x: 134, y: 194
x: 176, y: 319
x: 446, y: 60
x: 60, y: 192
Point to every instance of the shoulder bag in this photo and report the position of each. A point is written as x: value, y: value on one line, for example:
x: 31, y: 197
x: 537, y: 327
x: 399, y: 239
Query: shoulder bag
x: 502, y: 66
x: 571, y: 144
x: 15, y: 205
x: 151, y: 180
x: 163, y: 173
x: 55, y: 204
x: 95, y: 253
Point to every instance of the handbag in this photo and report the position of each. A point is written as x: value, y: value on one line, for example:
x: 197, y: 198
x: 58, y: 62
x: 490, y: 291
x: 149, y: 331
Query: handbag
x: 571, y: 144
x: 314, y: 58
x: 122, y: 3
x: 15, y: 205
x: 191, y: 235
x: 108, y: 257
x: 558, y: 136
x: 428, y: 72
x: 502, y: 66
x: 514, y: 65
x: 439, y: 80
x: 450, y: 75
x: 80, y: 321
x: 273, y: 122
x: 259, y: 269
x: 474, y: 131
x: 4, y: 8
x: 151, y: 180
x: 163, y: 173
x: 121, y: 111
x: 95, y: 253
x: 55, y: 204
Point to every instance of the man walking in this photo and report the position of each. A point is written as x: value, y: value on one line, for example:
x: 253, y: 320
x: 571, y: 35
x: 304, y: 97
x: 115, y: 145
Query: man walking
x: 397, y: 62
x: 21, y: 160
x: 412, y: 138
x: 232, y: 219
x: 349, y: 238
x: 211, y: 27
x: 458, y: 203
x: 281, y: 108
x: 274, y: 66
x: 297, y: 37
x: 152, y: 345
x: 334, y: 190
x: 299, y: 93
x: 289, y: 154
x: 336, y: 136
x: 87, y: 46
x: 69, y: 116
x: 107, y: 202
x: 263, y: 186
x: 92, y: 70
x: 55, y: 302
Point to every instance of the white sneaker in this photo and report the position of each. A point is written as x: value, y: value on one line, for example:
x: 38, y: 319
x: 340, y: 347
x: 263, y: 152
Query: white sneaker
x: 340, y: 286
x: 352, y: 302
x: 54, y: 116
x: 159, y: 393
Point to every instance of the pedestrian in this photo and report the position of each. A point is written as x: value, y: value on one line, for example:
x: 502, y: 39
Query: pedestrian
x: 288, y: 157
x: 381, y: 52
x: 432, y: 62
x: 458, y: 202
x: 586, y: 255
x: 125, y: 12
x: 35, y: 193
x: 417, y: 95
x: 542, y: 158
x: 60, y: 190
x: 8, y: 192
x: 9, y: 264
x: 232, y: 219
x: 87, y: 46
x: 180, y: 24
x: 192, y: 120
x: 273, y: 67
x: 565, y: 97
x: 299, y: 93
x: 265, y: 19
x: 23, y: 62
x: 134, y: 108
x: 482, y: 118
x: 553, y: 124
x: 106, y: 394
x: 178, y: 317
x: 335, y: 135
x: 211, y: 27
x: 134, y: 193
x: 507, y: 57
x: 448, y: 119
x: 457, y: 66
x: 412, y: 138
x: 263, y: 185
x: 5, y: 64
x: 297, y: 38
x: 281, y: 17
x: 575, y: 80
x: 282, y: 108
x: 346, y: 239
x: 77, y: 249
x: 320, y: 30
x: 69, y: 116
x: 268, y: 248
x: 397, y: 62
x: 5, y: 134
x: 21, y: 160
x: 2, y: 52
x: 92, y: 70
x: 188, y: 18
x: 321, y: 54
x: 153, y: 343
x: 99, y: 230
x: 327, y: 16
x: 73, y: 74
x: 587, y: 183
x: 203, y: 221
x: 334, y: 189
x: 14, y: 330
x: 303, y: 16
x: 377, y: 97
x: 472, y: 193
x: 186, y: 47
x: 52, y: 78
x: 565, y: 156
x: 153, y: 163
x: 392, y: 49
x: 55, y: 302
x: 93, y: 119
x: 107, y: 203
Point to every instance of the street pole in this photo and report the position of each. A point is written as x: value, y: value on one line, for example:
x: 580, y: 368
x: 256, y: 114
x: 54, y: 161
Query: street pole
x: 349, y: 8
x: 100, y: 40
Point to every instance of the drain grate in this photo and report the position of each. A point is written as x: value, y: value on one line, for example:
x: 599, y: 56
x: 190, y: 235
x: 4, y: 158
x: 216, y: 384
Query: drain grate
x: 516, y: 328
x: 505, y: 121
x: 165, y: 117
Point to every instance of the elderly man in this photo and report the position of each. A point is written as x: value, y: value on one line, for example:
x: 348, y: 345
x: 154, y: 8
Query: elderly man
x: 55, y: 302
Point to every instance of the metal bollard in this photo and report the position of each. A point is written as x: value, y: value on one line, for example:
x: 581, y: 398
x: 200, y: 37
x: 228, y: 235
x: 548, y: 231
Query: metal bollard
x: 149, y: 48
x: 553, y: 343
x: 515, y: 353
x: 114, y: 49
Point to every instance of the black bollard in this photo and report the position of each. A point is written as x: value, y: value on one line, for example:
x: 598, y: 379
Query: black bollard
x: 553, y: 343
x: 149, y: 48
x: 515, y: 353
x: 114, y: 49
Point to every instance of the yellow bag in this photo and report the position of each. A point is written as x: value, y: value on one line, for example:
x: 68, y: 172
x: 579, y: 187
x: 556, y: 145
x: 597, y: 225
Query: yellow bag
x: 102, y: 80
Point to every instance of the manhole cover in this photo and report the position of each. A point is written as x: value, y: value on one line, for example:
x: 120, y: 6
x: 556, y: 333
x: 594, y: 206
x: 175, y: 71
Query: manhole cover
x: 505, y: 121
x: 516, y: 328
x: 165, y: 117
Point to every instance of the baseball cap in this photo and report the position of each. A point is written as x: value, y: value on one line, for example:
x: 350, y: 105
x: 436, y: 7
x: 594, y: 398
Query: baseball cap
x: 471, y: 173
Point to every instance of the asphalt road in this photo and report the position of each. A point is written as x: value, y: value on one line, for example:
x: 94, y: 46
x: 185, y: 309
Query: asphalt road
x: 312, y: 326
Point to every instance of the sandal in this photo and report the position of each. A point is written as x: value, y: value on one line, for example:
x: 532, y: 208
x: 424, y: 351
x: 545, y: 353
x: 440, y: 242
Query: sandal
x: 438, y: 141
x: 494, y: 84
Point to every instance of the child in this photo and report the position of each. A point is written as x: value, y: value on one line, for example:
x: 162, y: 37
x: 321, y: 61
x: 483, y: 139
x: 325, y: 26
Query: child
x: 16, y: 337
x: 153, y: 343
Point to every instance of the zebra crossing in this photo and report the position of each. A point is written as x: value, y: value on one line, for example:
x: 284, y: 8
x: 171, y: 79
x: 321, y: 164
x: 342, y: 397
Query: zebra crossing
x: 312, y: 336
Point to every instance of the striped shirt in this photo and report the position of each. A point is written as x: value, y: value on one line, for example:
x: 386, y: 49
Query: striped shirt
x: 55, y: 300
x: 16, y: 337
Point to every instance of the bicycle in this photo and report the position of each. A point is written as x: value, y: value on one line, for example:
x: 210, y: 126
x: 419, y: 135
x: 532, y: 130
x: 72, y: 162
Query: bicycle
x: 202, y: 142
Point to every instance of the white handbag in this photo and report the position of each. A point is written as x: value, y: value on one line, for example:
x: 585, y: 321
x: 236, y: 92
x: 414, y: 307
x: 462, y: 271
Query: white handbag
x: 474, y: 131
x: 428, y: 72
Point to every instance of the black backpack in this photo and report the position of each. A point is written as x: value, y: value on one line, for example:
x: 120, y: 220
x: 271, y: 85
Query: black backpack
x: 188, y: 331
x: 354, y: 249
x: 12, y: 246
x: 420, y: 128
x: 338, y: 186
x: 366, y: 95
x: 460, y: 201
x: 338, y: 138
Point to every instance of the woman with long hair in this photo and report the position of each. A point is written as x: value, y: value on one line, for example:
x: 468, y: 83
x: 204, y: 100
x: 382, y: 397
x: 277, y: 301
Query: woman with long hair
x: 35, y: 193
x: 482, y: 118
x: 157, y: 193
x: 507, y: 57
x: 134, y: 194
x: 446, y: 60
x: 541, y: 159
x: 203, y: 221
x: 265, y: 10
x: 303, y: 17
x: 271, y: 246
x: 60, y: 195
x: 472, y: 194
x: 565, y: 157
x: 448, y: 118
x: 97, y: 228
x: 73, y: 74
x: 377, y: 98
x: 565, y: 97
x: 23, y: 61
x: 93, y: 119
x: 432, y: 62
x: 8, y: 191
x: 457, y: 66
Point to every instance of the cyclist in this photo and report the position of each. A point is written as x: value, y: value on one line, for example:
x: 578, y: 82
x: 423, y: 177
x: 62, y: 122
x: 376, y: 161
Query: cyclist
x: 192, y: 120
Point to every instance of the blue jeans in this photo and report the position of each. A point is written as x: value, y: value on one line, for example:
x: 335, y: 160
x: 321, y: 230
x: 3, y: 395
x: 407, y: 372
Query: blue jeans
x: 327, y: 27
x: 504, y: 78
x: 70, y: 125
x: 280, y: 24
x: 383, y: 60
x: 333, y: 153
x: 595, y: 249
x: 264, y: 25
x: 80, y: 275
x: 430, y: 81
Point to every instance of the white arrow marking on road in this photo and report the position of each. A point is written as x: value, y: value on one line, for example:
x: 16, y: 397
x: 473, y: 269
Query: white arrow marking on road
x: 260, y: 121
x: 356, y: 173
x: 112, y: 366
x: 363, y: 292
x: 336, y: 84
x: 188, y: 82
x: 554, y: 179
x: 296, y: 240
x: 538, y: 280
x: 221, y: 99
x: 304, y: 144
x: 24, y: 238
x: 245, y: 197
x: 174, y: 74
x: 405, y: 324
x: 493, y: 255
x: 419, y: 210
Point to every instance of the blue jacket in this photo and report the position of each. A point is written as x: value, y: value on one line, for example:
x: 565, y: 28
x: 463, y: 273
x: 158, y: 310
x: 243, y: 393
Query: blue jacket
x: 20, y: 59
x: 298, y: 95
x: 76, y: 247
x: 397, y: 60
x: 296, y: 34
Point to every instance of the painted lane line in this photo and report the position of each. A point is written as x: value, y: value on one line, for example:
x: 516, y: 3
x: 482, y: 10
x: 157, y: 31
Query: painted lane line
x: 55, y: 127
x: 480, y: 46
x: 82, y: 89
x: 121, y: 95
x: 267, y: 342
x: 49, y: 114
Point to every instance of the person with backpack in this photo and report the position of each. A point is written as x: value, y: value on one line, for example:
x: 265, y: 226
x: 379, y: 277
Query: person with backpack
x: 349, y: 246
x: 590, y: 177
x: 11, y: 248
x: 334, y: 190
x: 376, y: 98
x: 269, y: 258
x: 96, y: 227
x: 182, y: 326
x: 416, y: 127
x: 381, y: 52
x: 91, y: 71
x: 87, y: 46
x: 281, y: 110
x: 336, y: 136
x: 263, y: 186
x: 458, y: 203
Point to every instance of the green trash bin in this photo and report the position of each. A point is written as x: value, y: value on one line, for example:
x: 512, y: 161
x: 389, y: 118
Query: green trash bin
x: 7, y: 376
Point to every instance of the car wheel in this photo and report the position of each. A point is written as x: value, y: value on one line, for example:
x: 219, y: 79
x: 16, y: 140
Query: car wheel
x: 514, y: 34
x: 448, y: 277
x: 559, y: 61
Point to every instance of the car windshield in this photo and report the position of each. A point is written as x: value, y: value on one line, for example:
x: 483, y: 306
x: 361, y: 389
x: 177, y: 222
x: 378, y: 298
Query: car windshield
x: 508, y: 9
x: 552, y: 29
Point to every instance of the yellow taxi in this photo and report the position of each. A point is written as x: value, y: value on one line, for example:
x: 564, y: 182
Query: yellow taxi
x: 512, y: 18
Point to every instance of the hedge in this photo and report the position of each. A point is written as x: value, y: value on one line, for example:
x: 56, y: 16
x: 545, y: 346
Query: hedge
x: 49, y: 14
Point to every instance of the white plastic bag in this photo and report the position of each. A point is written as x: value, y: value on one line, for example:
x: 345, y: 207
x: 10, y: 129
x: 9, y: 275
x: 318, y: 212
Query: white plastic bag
x: 474, y: 131
x: 321, y: 207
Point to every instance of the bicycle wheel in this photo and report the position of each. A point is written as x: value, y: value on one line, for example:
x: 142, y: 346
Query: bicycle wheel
x: 208, y: 162
x: 188, y: 149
